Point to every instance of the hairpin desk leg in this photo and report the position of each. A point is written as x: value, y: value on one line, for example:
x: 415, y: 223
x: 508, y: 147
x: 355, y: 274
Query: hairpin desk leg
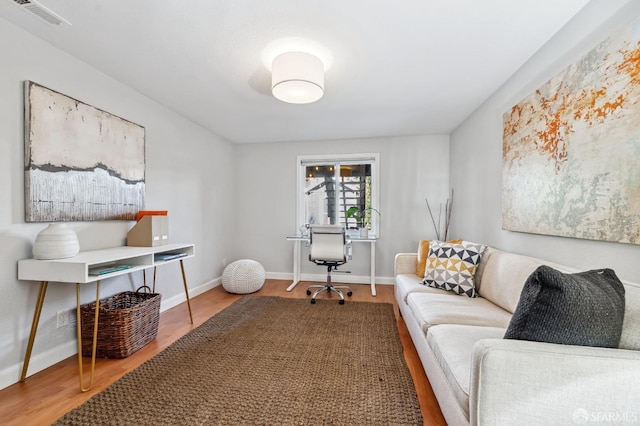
x: 95, y: 337
x: 34, y: 327
x: 186, y: 289
x: 155, y: 268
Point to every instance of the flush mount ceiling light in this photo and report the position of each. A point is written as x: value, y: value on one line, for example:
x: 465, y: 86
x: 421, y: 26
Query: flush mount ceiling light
x: 297, y: 78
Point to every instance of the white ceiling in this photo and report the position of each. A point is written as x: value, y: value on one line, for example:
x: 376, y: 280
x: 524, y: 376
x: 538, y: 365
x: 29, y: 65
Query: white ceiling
x: 406, y: 67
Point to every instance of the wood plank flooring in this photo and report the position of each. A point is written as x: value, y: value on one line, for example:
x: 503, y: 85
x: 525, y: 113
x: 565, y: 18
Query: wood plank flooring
x: 49, y: 394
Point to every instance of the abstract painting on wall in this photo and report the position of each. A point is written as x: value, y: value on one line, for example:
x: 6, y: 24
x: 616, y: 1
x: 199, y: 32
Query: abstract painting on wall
x: 81, y: 163
x: 571, y: 149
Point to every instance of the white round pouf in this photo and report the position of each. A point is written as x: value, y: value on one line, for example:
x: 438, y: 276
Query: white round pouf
x: 243, y: 276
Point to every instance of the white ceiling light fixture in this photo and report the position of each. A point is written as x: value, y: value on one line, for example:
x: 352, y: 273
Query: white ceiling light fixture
x: 297, y: 78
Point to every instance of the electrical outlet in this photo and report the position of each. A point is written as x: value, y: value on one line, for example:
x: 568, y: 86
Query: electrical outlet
x: 224, y: 262
x: 65, y: 318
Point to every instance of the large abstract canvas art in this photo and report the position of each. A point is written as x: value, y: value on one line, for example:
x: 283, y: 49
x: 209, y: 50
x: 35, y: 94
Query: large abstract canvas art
x: 571, y: 149
x: 81, y: 163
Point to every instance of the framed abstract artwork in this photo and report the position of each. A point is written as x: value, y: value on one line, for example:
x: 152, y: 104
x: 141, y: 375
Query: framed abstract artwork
x: 81, y: 163
x: 571, y: 149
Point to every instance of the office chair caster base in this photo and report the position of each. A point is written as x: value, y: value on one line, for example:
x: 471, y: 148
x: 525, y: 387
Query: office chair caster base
x: 329, y: 288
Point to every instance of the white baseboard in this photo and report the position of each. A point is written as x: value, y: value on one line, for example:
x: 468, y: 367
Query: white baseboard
x: 287, y: 276
x: 337, y: 277
x: 193, y: 292
x: 41, y: 361
x: 44, y: 360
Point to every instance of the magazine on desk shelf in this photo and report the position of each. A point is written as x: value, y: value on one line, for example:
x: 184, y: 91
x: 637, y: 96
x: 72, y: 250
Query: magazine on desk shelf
x: 168, y: 256
x: 107, y: 269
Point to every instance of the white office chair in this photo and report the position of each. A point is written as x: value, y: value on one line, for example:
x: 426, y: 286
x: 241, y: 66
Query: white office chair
x: 328, y: 248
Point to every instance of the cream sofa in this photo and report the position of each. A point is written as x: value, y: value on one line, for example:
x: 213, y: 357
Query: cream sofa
x: 479, y: 378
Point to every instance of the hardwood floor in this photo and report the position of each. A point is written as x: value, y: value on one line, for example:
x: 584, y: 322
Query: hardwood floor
x: 49, y: 394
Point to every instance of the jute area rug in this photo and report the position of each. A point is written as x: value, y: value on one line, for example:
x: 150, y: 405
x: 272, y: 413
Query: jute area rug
x: 269, y: 361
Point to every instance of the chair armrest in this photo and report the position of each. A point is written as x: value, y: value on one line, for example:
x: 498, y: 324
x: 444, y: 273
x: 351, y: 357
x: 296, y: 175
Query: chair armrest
x: 405, y: 263
x: 522, y: 382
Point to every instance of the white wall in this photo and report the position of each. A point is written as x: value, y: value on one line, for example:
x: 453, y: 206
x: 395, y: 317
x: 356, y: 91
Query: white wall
x: 265, y: 178
x: 239, y: 201
x: 476, y: 151
x: 187, y: 174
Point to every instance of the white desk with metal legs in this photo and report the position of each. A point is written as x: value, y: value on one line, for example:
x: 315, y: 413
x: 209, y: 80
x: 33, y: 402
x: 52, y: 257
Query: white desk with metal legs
x: 77, y: 270
x: 356, y: 239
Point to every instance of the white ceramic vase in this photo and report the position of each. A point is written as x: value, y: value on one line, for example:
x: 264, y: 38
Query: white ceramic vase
x: 56, y: 241
x: 364, y: 232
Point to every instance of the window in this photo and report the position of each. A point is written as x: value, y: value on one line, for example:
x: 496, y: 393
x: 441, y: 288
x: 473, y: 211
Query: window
x: 330, y: 185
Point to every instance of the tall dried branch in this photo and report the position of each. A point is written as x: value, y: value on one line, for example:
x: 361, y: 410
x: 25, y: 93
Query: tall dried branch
x: 448, y: 208
x: 433, y: 219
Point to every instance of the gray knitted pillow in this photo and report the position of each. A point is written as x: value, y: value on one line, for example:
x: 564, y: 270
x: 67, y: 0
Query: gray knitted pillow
x: 586, y: 308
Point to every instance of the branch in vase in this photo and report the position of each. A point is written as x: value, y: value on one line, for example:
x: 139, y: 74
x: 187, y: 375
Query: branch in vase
x: 448, y: 208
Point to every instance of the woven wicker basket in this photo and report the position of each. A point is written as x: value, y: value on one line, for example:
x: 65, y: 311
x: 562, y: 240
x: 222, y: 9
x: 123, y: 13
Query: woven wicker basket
x: 126, y: 322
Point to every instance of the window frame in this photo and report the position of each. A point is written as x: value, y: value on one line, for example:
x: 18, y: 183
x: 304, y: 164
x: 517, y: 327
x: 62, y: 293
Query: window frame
x: 343, y: 159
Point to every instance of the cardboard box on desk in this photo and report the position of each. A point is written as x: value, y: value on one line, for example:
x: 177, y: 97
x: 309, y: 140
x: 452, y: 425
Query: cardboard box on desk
x: 150, y: 231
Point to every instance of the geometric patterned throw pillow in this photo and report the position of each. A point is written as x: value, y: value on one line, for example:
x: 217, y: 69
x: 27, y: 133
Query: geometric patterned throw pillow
x: 452, y: 266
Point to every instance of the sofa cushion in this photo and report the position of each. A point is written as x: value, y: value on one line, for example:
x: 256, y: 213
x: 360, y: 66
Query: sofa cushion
x: 452, y: 266
x: 445, y: 307
x: 410, y: 283
x: 504, y: 274
x: 630, y: 338
x: 585, y: 308
x: 486, y: 258
x: 423, y: 254
x: 452, y: 346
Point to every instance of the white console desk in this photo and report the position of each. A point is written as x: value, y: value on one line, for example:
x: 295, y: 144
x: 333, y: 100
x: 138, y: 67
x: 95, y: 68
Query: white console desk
x: 355, y: 239
x: 76, y: 270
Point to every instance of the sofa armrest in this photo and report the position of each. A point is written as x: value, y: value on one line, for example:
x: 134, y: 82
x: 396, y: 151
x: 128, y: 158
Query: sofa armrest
x: 405, y: 263
x: 523, y: 382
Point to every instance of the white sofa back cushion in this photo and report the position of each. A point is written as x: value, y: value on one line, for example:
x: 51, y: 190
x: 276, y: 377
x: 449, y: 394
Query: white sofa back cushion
x: 630, y: 338
x: 504, y: 275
